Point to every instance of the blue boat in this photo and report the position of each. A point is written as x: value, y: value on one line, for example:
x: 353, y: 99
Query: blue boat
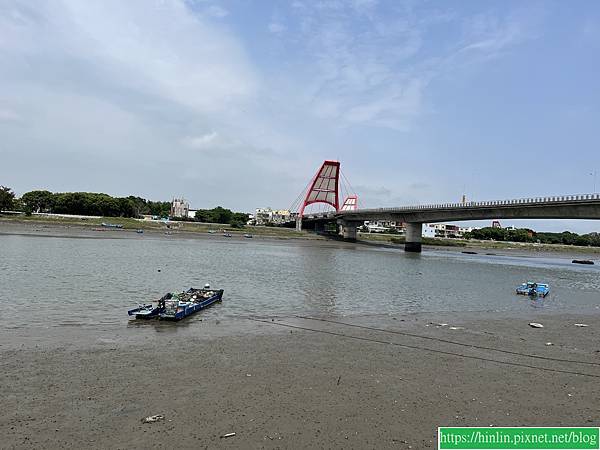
x: 533, y: 289
x: 149, y: 311
x: 176, y: 306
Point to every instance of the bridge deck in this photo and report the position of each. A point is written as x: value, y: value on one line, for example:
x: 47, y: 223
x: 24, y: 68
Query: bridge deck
x: 582, y: 206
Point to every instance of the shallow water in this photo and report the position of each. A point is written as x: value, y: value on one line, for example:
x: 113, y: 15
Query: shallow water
x: 62, y: 282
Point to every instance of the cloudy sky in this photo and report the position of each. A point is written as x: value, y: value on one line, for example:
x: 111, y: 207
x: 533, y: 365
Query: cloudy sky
x: 236, y: 103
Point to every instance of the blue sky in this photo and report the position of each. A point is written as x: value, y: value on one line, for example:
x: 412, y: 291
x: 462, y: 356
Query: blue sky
x: 236, y: 103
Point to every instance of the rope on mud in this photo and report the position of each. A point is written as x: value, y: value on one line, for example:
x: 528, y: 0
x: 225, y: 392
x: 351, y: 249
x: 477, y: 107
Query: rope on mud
x: 447, y: 341
x: 416, y: 347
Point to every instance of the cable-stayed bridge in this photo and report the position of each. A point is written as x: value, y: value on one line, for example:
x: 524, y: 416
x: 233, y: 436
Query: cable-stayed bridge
x: 328, y: 186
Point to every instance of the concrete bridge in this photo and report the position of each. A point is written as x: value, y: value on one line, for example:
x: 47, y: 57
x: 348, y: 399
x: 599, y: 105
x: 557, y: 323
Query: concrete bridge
x: 585, y: 206
x: 324, y: 188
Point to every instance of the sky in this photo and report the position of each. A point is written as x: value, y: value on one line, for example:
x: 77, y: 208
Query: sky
x: 237, y: 103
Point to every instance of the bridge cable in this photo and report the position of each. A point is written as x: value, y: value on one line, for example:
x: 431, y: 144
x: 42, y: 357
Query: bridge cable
x: 350, y: 188
x: 296, y: 203
x: 416, y: 347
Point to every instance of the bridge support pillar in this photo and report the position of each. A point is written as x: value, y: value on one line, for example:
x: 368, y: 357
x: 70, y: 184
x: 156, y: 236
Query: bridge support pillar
x: 349, y: 232
x: 413, y: 237
x: 319, y: 227
x: 349, y: 229
x: 299, y: 223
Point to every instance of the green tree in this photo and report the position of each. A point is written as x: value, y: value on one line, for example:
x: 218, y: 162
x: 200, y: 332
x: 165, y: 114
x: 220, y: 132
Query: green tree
x: 7, y: 198
x: 39, y: 201
x: 239, y: 220
x: 218, y: 215
x: 221, y: 215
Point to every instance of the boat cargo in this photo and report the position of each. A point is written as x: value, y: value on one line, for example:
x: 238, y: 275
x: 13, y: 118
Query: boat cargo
x: 533, y: 289
x: 176, y: 306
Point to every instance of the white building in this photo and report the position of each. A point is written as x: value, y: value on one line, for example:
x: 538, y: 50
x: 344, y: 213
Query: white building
x: 179, y: 207
x: 428, y: 230
x: 444, y: 230
x: 264, y: 216
x: 381, y: 226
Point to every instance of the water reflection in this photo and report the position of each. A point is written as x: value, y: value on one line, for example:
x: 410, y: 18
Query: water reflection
x: 315, y: 264
x: 76, y: 282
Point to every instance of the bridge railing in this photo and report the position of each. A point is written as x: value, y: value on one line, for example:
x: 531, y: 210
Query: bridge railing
x: 527, y: 201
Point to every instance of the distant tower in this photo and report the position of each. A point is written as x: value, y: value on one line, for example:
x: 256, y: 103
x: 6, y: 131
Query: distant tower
x: 179, y: 207
x: 464, y: 199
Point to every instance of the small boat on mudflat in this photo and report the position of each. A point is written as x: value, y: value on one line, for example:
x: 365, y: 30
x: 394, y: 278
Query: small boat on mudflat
x: 533, y: 289
x: 176, y: 306
x: 583, y: 261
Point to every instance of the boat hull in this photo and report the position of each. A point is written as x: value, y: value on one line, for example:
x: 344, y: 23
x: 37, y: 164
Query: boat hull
x: 144, y: 312
x: 192, y: 308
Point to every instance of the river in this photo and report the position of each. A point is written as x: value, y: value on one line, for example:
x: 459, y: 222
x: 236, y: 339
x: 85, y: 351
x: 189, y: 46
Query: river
x: 60, y: 281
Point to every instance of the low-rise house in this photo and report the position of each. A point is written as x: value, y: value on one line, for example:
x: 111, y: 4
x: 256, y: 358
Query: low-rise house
x: 265, y: 216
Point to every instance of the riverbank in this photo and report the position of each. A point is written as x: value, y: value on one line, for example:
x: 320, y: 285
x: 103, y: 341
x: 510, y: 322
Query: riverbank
x: 60, y: 227
x: 289, y: 382
x: 65, y: 227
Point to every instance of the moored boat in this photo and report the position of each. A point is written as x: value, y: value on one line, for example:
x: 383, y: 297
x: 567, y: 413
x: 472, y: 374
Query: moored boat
x: 533, y: 289
x: 176, y: 306
x: 149, y: 311
x: 583, y: 261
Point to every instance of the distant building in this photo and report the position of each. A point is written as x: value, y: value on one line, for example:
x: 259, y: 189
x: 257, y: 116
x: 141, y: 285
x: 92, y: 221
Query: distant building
x: 381, y: 226
x: 179, y: 207
x: 428, y: 230
x: 445, y: 230
x: 264, y: 216
x: 191, y: 213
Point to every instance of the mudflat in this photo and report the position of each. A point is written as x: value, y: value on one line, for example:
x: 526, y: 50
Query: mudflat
x: 292, y: 382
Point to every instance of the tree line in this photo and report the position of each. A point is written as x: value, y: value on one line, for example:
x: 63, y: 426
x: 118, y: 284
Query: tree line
x: 98, y: 204
x: 91, y: 204
x: 526, y: 235
x: 222, y: 215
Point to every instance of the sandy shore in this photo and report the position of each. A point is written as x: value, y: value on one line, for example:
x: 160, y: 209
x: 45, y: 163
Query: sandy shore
x: 292, y: 382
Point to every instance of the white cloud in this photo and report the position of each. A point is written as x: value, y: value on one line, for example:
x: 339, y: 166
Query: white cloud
x: 276, y: 27
x: 143, y: 89
x: 217, y: 11
x: 8, y: 115
x: 202, y: 141
x: 372, y: 65
x: 117, y: 84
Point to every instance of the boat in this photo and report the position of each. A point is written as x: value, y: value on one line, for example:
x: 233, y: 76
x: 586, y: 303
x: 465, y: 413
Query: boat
x: 149, y: 311
x: 140, y: 231
x: 533, y: 289
x: 248, y: 236
x: 226, y: 234
x: 583, y: 261
x: 189, y: 302
x: 176, y: 306
x: 111, y: 225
